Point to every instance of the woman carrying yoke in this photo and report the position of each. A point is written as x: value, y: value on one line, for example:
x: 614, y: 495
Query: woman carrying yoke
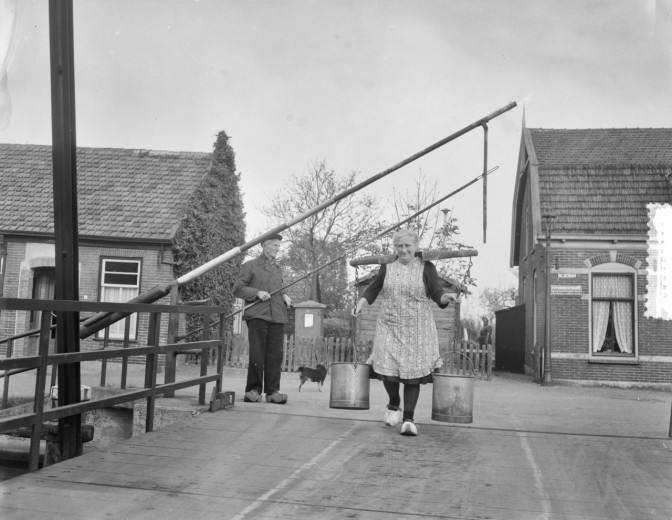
x: 406, y: 345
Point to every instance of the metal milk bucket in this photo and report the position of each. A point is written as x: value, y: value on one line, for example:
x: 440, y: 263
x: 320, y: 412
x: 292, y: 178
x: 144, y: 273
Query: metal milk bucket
x: 350, y: 386
x: 453, y: 397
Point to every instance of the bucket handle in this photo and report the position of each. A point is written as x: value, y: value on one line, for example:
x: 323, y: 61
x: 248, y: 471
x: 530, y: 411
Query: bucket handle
x: 474, y: 371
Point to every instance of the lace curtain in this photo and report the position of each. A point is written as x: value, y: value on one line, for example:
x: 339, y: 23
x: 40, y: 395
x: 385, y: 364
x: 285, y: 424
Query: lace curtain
x: 607, y: 287
x: 623, y: 325
x: 600, y: 320
x: 120, y: 295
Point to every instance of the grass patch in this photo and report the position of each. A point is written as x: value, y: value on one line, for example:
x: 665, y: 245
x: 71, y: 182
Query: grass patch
x: 16, y: 400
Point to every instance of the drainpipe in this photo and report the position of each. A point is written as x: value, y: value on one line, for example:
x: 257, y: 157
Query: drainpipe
x: 548, y: 379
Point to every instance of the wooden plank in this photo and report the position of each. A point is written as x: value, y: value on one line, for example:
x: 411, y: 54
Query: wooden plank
x: 220, y: 353
x: 205, y: 336
x: 331, y: 468
x: 490, y: 363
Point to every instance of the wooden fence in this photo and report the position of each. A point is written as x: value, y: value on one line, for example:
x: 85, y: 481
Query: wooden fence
x: 469, y: 358
x: 466, y: 357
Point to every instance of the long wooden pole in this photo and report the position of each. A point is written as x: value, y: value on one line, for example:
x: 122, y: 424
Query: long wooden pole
x: 100, y: 321
x: 447, y: 254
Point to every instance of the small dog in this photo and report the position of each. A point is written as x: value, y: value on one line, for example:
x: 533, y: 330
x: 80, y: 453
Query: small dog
x: 316, y: 375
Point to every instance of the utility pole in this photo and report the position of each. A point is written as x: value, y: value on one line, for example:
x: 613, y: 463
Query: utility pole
x: 64, y: 151
x: 548, y: 379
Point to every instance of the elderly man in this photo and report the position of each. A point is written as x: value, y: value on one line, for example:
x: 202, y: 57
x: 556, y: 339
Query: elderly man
x: 259, y: 282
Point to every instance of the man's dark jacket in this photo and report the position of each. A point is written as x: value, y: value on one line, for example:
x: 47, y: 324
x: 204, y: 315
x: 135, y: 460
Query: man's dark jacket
x: 261, y: 274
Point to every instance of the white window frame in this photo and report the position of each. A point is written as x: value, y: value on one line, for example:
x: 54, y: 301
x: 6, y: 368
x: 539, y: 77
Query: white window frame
x: 119, y: 293
x: 615, y: 269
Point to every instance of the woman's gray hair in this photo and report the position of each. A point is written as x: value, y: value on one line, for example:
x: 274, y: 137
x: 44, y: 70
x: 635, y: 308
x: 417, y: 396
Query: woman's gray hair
x: 405, y: 233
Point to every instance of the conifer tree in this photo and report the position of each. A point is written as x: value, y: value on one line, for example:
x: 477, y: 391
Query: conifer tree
x: 214, y: 223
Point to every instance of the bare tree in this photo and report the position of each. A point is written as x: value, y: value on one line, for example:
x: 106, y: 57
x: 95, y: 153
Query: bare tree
x: 327, y: 234
x: 494, y: 299
x: 437, y: 231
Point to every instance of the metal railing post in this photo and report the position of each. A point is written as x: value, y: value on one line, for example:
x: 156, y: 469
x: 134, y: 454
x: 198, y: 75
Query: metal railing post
x: 5, y: 393
x: 150, y: 367
x: 204, y: 356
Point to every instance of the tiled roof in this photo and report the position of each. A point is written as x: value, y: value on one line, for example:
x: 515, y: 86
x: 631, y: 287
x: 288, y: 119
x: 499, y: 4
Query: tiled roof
x: 602, y: 147
x: 599, y: 181
x: 137, y: 194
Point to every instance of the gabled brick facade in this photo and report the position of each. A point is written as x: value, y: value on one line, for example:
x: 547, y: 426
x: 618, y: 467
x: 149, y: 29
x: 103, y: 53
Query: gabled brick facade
x: 598, y: 185
x: 130, y: 205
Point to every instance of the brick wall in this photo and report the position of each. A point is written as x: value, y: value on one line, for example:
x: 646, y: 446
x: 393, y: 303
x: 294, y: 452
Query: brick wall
x: 15, y: 254
x: 153, y: 273
x: 18, y: 284
x: 571, y: 317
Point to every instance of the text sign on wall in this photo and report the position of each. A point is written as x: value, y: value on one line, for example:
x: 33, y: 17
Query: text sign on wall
x: 566, y: 290
x: 566, y: 275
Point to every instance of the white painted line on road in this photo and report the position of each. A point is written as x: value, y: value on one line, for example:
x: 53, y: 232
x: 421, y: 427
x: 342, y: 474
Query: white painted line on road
x: 538, y: 481
x: 294, y: 476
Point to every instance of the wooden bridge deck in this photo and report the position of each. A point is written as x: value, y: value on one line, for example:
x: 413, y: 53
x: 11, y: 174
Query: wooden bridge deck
x: 250, y: 463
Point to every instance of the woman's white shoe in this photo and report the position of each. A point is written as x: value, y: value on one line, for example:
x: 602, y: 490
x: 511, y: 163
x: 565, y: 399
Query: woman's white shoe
x: 392, y: 417
x: 409, y: 428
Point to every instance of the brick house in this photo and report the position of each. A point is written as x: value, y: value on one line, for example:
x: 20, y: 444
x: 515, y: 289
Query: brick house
x: 608, y: 190
x: 131, y: 204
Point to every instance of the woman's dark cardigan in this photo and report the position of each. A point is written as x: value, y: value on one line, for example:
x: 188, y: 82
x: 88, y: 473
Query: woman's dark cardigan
x: 430, y: 278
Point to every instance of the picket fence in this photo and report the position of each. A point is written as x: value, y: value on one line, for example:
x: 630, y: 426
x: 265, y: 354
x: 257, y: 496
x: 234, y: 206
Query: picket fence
x: 469, y: 358
x: 465, y: 358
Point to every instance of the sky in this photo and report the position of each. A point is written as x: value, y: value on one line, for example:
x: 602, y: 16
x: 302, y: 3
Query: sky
x: 360, y: 84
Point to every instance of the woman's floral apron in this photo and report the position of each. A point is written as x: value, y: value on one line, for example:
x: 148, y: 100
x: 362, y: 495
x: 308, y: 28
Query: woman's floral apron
x: 406, y: 344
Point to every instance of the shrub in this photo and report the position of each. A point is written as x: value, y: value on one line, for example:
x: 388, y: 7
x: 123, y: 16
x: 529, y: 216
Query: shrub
x: 336, y: 328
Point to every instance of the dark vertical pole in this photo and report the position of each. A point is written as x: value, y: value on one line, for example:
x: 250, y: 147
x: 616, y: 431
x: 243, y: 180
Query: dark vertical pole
x: 3, y: 259
x: 127, y: 342
x: 220, y: 352
x: 153, y: 332
x: 548, y: 379
x: 205, y: 354
x: 173, y: 326
x: 64, y: 150
x: 485, y: 181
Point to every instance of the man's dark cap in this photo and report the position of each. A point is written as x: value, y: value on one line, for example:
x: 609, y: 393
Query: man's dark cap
x: 277, y: 236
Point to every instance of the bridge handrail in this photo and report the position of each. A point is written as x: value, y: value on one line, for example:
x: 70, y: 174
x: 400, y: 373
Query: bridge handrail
x: 151, y: 352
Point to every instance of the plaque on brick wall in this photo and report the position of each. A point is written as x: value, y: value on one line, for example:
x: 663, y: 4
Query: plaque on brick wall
x: 566, y: 290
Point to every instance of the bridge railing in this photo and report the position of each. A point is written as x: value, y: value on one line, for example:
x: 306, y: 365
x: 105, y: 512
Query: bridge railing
x: 151, y: 352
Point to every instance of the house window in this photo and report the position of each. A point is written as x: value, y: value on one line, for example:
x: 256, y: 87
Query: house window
x: 120, y: 282
x: 613, y: 314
